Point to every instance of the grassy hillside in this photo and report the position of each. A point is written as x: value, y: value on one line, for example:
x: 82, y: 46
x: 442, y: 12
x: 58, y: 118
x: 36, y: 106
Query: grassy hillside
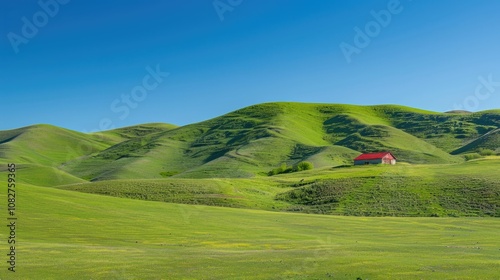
x: 398, y: 196
x: 139, y: 202
x: 236, y: 193
x: 446, y: 131
x: 466, y: 189
x: 490, y: 141
x: 47, y: 145
x: 404, y: 146
x: 251, y: 141
x: 255, y: 139
x: 126, y: 133
x: 72, y: 235
x: 39, y: 175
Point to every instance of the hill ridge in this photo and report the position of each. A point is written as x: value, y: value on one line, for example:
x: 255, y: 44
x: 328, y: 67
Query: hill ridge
x: 252, y: 140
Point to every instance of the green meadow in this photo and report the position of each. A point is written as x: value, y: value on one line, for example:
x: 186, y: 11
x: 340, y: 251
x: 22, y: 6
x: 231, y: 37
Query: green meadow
x: 158, y: 201
x: 72, y: 235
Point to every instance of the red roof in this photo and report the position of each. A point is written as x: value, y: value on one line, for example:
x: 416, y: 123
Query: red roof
x: 371, y: 156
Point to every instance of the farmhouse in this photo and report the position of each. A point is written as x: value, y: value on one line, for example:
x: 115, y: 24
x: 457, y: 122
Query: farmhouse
x: 375, y: 158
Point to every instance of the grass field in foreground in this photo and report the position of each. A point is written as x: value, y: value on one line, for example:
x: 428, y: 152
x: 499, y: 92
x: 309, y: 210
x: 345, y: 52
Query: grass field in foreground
x: 72, y: 235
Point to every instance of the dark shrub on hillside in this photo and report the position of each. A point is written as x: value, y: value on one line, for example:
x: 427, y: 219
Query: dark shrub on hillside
x: 304, y: 165
x: 472, y: 156
x: 486, y: 152
x: 301, y: 166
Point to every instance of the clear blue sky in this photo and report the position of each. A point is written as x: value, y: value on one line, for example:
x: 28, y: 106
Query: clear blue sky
x: 86, y: 54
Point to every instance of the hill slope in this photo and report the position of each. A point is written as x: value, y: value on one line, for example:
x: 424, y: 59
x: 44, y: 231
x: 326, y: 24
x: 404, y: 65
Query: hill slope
x: 490, y: 141
x: 254, y: 140
x: 258, y: 138
x: 225, y: 161
x: 47, y: 145
x: 466, y: 189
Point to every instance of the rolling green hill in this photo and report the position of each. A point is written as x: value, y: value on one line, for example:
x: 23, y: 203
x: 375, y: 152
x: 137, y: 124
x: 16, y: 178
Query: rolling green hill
x: 238, y: 150
x: 126, y: 133
x: 47, y: 145
x: 255, y: 139
x: 406, y: 146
